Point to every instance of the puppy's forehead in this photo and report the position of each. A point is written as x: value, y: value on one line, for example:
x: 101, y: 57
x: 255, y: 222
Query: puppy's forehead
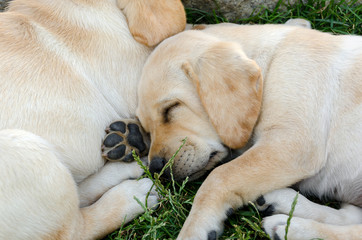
x: 160, y: 84
x: 162, y: 73
x: 163, y: 79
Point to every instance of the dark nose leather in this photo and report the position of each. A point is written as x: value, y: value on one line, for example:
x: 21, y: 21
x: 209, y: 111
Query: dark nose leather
x: 156, y: 165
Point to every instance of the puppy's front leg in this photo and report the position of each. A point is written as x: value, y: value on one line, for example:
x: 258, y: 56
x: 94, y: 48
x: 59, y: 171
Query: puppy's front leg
x: 111, y: 174
x: 263, y: 168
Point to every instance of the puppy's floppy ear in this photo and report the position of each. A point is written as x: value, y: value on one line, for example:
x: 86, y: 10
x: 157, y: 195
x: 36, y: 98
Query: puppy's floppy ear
x: 230, y: 88
x: 151, y: 21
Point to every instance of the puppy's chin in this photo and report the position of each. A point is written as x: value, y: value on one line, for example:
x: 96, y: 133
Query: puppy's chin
x: 197, y: 175
x: 216, y: 158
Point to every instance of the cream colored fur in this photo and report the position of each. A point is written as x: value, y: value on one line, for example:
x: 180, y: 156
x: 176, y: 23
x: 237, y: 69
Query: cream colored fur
x: 68, y: 69
x: 290, y: 96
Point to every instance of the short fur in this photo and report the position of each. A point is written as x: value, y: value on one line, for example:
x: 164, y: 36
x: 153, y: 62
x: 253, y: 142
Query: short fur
x: 68, y: 69
x: 292, y: 94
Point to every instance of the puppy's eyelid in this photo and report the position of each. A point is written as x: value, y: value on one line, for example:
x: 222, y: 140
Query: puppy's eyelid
x: 167, y: 110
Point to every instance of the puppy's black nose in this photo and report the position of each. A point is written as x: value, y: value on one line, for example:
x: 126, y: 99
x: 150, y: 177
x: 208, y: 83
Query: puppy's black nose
x: 156, y: 165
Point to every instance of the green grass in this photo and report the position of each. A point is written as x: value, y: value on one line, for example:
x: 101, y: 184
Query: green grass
x: 176, y: 198
x: 344, y: 17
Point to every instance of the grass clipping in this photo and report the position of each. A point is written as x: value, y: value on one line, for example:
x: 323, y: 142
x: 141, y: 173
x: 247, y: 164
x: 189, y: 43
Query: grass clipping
x: 167, y: 218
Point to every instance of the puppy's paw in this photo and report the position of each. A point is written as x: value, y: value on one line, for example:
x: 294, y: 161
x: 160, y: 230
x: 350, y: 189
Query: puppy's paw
x: 130, y: 194
x: 206, y: 225
x: 275, y: 226
x: 200, y: 233
x: 299, y: 228
x: 122, y: 137
x: 278, y: 201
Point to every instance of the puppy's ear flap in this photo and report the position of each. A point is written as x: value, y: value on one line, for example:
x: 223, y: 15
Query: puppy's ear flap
x: 230, y: 88
x: 151, y: 21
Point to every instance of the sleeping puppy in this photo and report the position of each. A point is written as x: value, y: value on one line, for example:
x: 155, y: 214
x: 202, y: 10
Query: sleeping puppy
x: 68, y: 69
x: 288, y: 97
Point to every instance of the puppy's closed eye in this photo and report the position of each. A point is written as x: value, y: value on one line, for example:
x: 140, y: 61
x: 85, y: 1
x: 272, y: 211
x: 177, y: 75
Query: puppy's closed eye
x: 166, y: 114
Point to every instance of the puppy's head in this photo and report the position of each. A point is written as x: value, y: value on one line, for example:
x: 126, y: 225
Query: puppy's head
x: 151, y: 21
x: 196, y: 86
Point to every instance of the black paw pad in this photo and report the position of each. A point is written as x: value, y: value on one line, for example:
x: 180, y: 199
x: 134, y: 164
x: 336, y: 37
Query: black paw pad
x: 212, y: 235
x: 260, y: 201
x: 135, y: 137
x: 123, y: 137
x: 112, y: 140
x: 268, y: 211
x: 118, y: 126
x: 117, y: 152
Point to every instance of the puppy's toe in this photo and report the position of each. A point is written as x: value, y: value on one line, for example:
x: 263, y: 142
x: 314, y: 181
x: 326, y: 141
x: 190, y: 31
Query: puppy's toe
x: 112, y: 139
x: 212, y: 235
x: 114, y: 147
x: 265, y: 209
x: 275, y: 225
x: 117, y: 153
x: 136, y: 138
x: 118, y: 126
x: 277, y: 201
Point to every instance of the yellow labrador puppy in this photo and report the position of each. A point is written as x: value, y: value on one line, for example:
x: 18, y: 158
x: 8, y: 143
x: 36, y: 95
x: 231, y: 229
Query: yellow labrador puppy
x: 289, y: 97
x: 68, y: 69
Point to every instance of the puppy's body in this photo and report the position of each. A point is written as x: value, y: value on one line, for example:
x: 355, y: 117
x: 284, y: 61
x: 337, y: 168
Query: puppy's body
x: 68, y: 69
x: 71, y: 85
x: 311, y: 85
x: 305, y: 128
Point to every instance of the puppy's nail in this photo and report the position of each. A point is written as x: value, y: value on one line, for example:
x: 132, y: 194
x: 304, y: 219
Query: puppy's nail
x: 229, y: 212
x: 212, y: 235
x: 276, y: 237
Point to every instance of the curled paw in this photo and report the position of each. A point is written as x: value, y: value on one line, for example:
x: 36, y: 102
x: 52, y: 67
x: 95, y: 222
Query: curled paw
x: 280, y: 202
x: 275, y: 226
x: 265, y: 208
x: 122, y: 138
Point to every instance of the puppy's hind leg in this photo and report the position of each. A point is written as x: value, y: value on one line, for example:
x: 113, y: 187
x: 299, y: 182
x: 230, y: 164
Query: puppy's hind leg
x: 110, y: 175
x: 38, y: 197
x: 39, y: 200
